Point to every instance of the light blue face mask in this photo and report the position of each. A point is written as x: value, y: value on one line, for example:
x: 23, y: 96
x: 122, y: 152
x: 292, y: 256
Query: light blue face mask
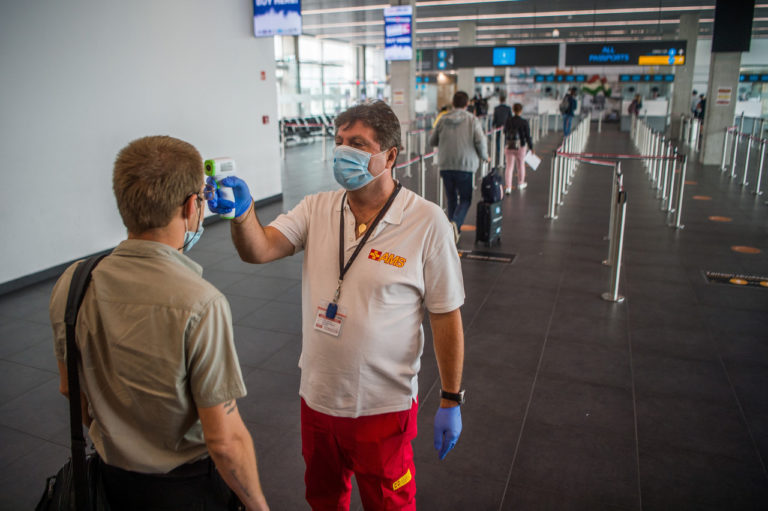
x: 350, y: 167
x: 192, y: 237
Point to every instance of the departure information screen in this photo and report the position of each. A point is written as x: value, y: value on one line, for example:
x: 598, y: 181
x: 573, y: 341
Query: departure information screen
x: 443, y: 59
x: 650, y: 53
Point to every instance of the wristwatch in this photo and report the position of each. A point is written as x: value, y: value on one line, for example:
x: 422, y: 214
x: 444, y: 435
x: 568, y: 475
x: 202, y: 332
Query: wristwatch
x: 459, y: 398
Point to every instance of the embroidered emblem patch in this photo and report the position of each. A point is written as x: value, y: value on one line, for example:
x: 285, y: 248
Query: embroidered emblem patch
x: 387, y: 258
x: 402, y: 481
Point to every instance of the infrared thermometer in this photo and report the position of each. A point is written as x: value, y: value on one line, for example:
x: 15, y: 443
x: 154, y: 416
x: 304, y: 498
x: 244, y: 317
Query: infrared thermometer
x: 218, y: 169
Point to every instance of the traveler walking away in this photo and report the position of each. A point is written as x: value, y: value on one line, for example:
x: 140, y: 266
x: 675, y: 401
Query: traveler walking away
x: 636, y: 105
x: 461, y: 146
x: 517, y: 132
x: 694, y: 101
x: 159, y: 373
x: 568, y: 109
x: 501, y: 113
x: 701, y: 107
x: 376, y: 256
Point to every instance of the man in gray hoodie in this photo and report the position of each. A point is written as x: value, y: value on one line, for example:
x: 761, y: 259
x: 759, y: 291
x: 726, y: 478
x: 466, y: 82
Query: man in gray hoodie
x: 461, y: 145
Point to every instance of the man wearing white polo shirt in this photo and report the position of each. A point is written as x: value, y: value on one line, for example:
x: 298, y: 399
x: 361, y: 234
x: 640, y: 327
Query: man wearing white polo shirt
x: 377, y: 255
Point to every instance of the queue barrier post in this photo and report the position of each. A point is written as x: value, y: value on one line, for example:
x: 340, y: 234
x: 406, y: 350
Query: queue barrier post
x: 725, y: 148
x: 612, y: 295
x: 746, y: 161
x: 680, y: 190
x: 736, y: 136
x: 663, y: 190
x: 552, y: 206
x: 612, y: 219
x: 758, y: 191
x: 671, y: 195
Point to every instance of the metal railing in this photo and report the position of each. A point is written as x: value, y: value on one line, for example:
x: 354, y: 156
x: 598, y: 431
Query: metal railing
x: 736, y: 136
x: 690, y: 131
x: 564, y: 165
x: 664, y: 167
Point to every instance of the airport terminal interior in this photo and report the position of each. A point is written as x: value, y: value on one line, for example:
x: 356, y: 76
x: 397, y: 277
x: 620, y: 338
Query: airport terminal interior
x: 616, y: 334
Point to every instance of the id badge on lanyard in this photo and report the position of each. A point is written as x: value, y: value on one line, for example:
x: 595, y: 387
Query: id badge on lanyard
x: 329, y: 317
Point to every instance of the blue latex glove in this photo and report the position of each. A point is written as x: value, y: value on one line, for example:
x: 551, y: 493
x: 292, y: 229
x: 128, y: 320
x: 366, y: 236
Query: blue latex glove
x: 218, y: 205
x: 447, y: 429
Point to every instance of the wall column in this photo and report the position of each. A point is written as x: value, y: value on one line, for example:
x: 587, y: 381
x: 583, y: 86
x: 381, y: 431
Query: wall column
x: 723, y: 75
x: 683, y: 86
x: 466, y: 77
x: 402, y: 79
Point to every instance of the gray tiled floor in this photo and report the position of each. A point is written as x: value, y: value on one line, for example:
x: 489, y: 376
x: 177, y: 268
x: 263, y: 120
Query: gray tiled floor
x: 573, y: 403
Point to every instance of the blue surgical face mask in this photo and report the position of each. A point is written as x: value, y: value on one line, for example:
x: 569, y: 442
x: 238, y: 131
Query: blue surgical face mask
x: 350, y: 167
x: 192, y: 237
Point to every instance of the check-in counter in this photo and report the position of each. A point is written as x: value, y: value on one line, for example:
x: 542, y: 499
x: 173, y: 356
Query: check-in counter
x: 654, y: 111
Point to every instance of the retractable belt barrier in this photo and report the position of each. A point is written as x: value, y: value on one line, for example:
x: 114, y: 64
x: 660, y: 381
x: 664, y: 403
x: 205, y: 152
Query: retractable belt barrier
x: 735, y: 136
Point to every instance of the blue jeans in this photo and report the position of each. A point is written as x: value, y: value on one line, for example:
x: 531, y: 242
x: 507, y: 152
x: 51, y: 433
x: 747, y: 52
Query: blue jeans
x: 458, y: 185
x: 567, y: 121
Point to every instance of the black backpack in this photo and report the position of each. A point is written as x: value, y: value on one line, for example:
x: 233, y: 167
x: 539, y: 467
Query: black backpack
x: 513, y: 140
x: 492, y: 187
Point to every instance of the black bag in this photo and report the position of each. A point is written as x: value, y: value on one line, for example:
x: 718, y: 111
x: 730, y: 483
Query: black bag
x: 565, y: 104
x: 488, y: 222
x: 492, y: 187
x: 78, y: 485
x: 513, y: 141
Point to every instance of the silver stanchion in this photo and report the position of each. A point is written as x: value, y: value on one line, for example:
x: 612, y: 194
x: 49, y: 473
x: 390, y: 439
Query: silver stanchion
x: 663, y: 176
x: 725, y: 148
x: 600, y: 122
x: 680, y: 190
x: 746, y: 161
x: 553, y: 178
x: 282, y: 142
x: 671, y: 195
x: 612, y: 295
x: 735, y: 150
x: 615, y: 185
x: 422, y: 176
x: 758, y: 191
x: 325, y: 153
x: 682, y: 126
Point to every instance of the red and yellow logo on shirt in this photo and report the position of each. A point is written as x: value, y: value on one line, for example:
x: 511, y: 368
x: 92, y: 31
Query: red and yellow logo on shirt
x: 387, y: 258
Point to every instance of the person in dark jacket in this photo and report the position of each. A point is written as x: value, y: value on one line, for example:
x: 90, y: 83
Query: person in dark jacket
x: 570, y: 112
x: 501, y: 113
x: 518, y: 143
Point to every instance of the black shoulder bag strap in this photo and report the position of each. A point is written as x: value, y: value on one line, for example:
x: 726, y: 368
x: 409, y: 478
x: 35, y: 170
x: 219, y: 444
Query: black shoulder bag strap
x: 77, y: 288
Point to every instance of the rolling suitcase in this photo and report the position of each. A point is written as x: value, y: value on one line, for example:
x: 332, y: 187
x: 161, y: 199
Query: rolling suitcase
x: 488, y: 222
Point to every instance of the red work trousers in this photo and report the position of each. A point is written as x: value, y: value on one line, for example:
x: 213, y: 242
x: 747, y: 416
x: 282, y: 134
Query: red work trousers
x: 376, y: 448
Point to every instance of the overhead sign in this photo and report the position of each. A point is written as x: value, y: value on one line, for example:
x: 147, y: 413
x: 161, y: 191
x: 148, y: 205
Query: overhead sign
x: 489, y: 79
x: 647, y: 78
x: 276, y: 17
x: 753, y: 78
x: 650, y: 53
x: 488, y: 56
x: 559, y: 78
x: 398, y: 27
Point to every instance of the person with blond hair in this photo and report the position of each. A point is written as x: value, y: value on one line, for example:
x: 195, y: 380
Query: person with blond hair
x: 159, y: 374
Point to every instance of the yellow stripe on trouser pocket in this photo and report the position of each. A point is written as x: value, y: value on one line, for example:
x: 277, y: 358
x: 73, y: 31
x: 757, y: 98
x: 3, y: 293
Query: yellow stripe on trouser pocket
x: 402, y: 481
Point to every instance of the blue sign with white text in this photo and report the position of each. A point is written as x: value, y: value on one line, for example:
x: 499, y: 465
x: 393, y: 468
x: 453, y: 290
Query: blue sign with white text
x: 398, y: 38
x: 276, y: 17
x: 504, y: 56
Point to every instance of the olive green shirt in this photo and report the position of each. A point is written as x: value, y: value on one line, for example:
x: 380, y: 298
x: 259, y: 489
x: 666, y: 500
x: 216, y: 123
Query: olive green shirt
x: 156, y: 343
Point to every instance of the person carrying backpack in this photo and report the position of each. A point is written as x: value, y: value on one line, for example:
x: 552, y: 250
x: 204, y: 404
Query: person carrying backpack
x: 518, y: 142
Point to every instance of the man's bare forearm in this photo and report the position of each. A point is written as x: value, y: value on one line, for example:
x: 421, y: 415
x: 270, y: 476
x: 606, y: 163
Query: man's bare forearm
x: 255, y: 243
x: 235, y: 460
x: 448, y: 337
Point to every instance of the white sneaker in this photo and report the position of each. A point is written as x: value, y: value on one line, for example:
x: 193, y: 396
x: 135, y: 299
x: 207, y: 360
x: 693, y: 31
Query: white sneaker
x: 508, y: 191
x: 522, y: 186
x: 456, y: 233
